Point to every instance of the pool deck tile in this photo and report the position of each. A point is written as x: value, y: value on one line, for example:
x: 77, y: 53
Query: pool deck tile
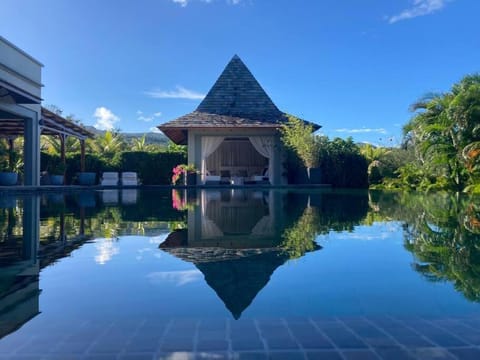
x: 466, y: 353
x: 353, y: 338
x: 360, y: 355
x: 286, y: 355
x: 242, y: 345
x: 145, y: 356
x: 394, y: 353
x: 323, y: 355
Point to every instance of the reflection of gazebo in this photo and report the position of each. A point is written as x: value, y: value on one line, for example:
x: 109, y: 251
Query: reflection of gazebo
x: 233, y: 133
x: 236, y: 275
x: 234, y: 238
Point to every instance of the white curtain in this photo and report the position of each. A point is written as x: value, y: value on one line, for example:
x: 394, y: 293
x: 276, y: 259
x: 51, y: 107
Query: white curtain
x: 264, y: 146
x: 209, y: 145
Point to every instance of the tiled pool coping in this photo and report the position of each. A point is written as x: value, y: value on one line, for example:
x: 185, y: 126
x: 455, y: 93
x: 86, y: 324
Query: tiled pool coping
x: 348, y: 338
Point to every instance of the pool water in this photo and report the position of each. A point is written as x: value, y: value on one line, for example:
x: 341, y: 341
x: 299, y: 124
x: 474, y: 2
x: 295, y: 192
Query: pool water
x: 239, y: 273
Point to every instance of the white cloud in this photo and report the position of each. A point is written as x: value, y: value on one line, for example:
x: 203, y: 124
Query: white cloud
x: 184, y: 3
x: 106, y: 119
x: 179, y: 278
x: 418, y: 8
x: 179, y: 93
x: 155, y: 130
x: 147, y: 118
x: 362, y: 130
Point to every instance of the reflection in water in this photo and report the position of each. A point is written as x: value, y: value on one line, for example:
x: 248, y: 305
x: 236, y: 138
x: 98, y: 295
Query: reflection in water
x: 238, y: 238
x: 19, y: 268
x: 442, y: 231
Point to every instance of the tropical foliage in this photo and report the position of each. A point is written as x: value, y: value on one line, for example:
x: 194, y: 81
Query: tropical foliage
x: 444, y: 136
x: 297, y: 135
x: 442, y: 231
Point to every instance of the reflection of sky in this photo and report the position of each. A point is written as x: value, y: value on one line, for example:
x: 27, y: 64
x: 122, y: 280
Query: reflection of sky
x: 106, y: 249
x: 377, y: 231
x: 179, y: 278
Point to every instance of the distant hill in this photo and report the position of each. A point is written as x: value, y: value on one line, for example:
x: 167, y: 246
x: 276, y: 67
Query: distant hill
x: 150, y: 137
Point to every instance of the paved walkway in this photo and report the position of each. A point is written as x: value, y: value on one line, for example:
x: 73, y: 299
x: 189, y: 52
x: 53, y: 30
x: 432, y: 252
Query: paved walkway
x: 356, y: 338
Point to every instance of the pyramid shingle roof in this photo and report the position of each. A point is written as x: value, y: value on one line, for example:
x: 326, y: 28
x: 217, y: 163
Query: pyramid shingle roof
x: 235, y: 100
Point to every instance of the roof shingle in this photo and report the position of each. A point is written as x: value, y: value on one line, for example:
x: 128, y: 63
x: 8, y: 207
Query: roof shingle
x: 235, y: 100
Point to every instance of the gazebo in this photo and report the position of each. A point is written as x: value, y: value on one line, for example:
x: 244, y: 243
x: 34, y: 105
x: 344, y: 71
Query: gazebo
x: 21, y: 113
x: 233, y: 133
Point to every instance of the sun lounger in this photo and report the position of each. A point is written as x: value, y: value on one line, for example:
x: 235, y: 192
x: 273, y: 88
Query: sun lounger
x: 129, y: 179
x: 109, y: 179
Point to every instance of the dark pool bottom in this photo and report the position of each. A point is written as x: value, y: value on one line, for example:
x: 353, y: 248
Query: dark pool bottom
x: 263, y: 338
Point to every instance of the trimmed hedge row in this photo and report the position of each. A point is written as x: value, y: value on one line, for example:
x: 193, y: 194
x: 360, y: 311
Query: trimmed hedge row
x: 152, y: 168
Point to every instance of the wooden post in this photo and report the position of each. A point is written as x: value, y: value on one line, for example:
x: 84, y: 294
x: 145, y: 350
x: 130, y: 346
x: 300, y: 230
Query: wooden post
x: 82, y: 155
x: 11, y: 155
x: 63, y: 138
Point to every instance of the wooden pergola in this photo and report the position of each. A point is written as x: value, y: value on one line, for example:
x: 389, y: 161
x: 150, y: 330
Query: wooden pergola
x: 50, y: 124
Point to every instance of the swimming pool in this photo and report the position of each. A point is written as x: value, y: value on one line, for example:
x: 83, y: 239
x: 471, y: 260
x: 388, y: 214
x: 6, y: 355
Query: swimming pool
x: 237, y: 273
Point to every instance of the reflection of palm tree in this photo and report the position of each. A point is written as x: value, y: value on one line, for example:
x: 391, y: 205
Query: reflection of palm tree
x: 436, y: 233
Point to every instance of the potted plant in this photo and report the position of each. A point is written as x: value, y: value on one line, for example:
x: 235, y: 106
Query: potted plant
x: 9, y: 172
x: 86, y: 176
x: 297, y: 136
x: 57, y: 174
x: 187, y: 171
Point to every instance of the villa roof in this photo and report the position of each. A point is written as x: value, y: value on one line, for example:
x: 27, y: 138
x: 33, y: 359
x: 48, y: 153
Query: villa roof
x: 51, y: 124
x: 235, y: 100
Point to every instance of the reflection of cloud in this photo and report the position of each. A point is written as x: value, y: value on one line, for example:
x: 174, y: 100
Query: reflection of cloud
x: 178, y: 277
x: 418, y: 8
x: 106, y: 250
x: 141, y: 251
x: 158, y: 239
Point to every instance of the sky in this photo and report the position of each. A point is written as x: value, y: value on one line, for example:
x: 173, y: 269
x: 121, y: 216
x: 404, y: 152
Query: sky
x: 352, y: 66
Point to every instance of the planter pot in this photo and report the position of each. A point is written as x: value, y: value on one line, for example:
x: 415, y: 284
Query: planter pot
x: 190, y: 179
x: 8, y: 178
x: 87, y: 178
x: 56, y: 179
x: 315, y: 175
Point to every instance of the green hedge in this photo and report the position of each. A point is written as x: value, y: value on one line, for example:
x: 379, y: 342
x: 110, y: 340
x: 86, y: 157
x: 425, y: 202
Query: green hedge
x: 152, y: 168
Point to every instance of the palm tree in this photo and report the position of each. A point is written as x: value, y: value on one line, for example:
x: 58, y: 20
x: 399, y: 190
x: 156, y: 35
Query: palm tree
x: 109, y: 143
x: 140, y: 144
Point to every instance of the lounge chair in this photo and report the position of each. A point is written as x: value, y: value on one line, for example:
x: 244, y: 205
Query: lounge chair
x: 225, y: 177
x: 129, y: 179
x: 129, y: 196
x: 109, y: 179
x: 212, y: 179
x: 110, y: 196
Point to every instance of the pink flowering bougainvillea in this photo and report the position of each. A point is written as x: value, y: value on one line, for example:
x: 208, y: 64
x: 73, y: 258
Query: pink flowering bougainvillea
x: 181, y: 169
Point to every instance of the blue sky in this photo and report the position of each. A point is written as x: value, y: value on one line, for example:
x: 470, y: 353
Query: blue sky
x: 352, y: 66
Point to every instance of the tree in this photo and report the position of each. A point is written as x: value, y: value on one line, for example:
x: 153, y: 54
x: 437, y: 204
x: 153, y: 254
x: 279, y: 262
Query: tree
x: 140, y: 144
x: 443, y: 132
x: 297, y: 135
x: 108, y: 144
